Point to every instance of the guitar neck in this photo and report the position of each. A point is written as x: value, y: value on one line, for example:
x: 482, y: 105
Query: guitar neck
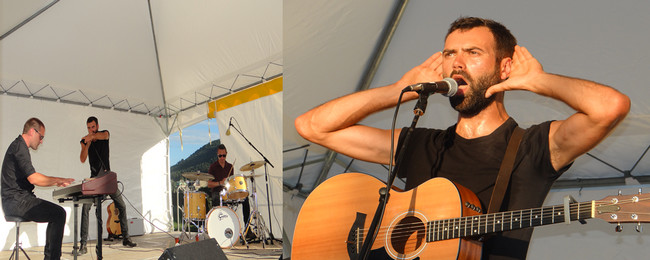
x: 504, y: 221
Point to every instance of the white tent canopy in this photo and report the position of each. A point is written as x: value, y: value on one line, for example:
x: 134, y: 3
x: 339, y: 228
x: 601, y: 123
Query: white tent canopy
x: 331, y: 47
x: 146, y: 69
x: 150, y: 57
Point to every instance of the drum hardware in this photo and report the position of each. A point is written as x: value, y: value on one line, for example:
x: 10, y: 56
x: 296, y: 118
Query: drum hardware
x: 194, y: 209
x: 194, y: 204
x: 256, y: 223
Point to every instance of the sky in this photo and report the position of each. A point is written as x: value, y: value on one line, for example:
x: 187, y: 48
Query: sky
x: 194, y: 137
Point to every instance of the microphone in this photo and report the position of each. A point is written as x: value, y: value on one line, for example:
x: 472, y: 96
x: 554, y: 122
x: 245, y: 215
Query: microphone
x: 229, y: 124
x: 448, y: 87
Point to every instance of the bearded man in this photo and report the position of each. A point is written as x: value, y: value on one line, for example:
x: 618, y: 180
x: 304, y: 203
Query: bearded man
x: 484, y: 58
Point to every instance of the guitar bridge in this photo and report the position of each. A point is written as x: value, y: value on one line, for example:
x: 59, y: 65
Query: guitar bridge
x: 355, y: 236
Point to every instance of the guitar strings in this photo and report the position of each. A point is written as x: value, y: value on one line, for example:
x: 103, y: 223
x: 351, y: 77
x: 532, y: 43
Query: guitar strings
x: 401, y: 233
x: 456, y: 225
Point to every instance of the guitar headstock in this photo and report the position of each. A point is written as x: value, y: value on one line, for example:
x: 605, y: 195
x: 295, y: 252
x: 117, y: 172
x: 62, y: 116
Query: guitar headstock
x: 624, y: 208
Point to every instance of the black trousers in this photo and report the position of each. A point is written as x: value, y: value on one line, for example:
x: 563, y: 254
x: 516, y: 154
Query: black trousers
x: 54, y: 215
x: 121, y: 208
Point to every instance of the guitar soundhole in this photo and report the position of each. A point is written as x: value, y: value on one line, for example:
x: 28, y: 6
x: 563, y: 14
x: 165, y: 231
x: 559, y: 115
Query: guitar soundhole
x: 408, y: 235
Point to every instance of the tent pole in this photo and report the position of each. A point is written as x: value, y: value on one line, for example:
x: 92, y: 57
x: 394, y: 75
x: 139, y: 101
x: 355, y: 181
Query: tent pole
x: 369, y: 74
x: 28, y: 19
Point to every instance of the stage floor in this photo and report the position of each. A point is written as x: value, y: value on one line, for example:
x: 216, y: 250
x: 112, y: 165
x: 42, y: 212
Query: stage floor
x: 151, y: 246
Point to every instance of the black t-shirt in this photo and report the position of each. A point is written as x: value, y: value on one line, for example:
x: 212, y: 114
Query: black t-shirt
x: 474, y: 164
x: 17, y: 191
x: 98, y: 156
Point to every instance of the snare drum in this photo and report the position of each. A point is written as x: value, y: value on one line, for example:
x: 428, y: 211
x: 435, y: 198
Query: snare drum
x: 194, y: 206
x: 223, y: 225
x: 237, y: 187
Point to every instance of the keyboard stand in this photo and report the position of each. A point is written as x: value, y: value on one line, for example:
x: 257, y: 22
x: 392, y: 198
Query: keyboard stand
x: 81, y: 199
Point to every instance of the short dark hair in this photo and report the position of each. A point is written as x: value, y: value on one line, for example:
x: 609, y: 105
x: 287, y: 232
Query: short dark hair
x: 32, y: 123
x: 505, y: 41
x: 92, y: 119
x: 222, y: 147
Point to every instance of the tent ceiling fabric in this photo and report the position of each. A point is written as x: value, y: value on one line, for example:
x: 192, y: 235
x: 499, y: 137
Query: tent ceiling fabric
x: 326, y: 41
x: 150, y: 57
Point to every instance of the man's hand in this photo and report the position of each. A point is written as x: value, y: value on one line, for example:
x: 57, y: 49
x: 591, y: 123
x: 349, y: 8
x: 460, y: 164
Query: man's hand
x: 89, y: 138
x: 63, y: 182
x: 429, y: 71
x: 524, y: 71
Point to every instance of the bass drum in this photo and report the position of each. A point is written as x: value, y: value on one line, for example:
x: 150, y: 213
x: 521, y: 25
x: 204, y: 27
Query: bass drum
x: 223, y: 225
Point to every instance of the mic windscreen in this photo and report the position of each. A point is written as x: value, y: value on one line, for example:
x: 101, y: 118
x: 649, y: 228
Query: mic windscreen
x: 453, y: 87
x: 228, y: 131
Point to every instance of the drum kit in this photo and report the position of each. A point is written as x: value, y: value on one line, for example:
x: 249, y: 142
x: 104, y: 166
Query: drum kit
x: 221, y: 222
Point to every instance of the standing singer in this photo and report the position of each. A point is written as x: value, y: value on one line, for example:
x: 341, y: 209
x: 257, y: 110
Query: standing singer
x: 484, y: 58
x: 94, y: 147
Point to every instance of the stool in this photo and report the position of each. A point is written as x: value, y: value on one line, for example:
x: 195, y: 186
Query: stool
x: 15, y: 252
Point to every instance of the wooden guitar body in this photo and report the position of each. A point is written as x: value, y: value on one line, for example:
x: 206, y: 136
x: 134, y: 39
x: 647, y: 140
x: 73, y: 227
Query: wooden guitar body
x: 332, y: 222
x: 113, y: 220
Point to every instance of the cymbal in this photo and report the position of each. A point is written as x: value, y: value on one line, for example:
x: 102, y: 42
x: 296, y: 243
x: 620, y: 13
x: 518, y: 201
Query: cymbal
x: 252, y: 165
x: 202, y: 176
x: 252, y: 175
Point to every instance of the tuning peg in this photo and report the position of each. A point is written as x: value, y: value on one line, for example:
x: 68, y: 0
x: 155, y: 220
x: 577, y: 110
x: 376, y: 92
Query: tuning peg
x: 619, y: 228
x: 638, y: 227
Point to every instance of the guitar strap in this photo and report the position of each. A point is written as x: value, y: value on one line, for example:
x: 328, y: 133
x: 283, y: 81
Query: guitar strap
x: 501, y: 184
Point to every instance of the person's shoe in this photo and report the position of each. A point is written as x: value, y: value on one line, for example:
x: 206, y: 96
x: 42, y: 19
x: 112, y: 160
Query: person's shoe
x: 128, y: 243
x: 82, y: 250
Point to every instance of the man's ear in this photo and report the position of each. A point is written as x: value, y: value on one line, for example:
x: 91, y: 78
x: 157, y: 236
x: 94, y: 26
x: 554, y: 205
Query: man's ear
x: 505, y: 66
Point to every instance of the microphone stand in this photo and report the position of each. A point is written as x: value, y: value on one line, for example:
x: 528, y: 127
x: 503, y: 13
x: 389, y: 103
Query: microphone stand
x: 384, y: 193
x: 266, y: 177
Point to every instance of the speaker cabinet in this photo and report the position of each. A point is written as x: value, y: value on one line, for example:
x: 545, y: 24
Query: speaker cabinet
x: 204, y: 249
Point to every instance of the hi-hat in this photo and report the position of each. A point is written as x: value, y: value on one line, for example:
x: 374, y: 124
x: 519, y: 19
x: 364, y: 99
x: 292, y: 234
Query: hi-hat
x: 202, y: 176
x: 252, y: 165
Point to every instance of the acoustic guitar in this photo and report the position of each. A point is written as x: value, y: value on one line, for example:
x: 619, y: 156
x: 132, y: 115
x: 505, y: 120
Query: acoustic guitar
x: 113, y: 222
x: 436, y: 220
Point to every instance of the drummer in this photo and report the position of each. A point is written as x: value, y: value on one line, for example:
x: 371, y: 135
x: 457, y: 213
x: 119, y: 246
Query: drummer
x: 221, y: 170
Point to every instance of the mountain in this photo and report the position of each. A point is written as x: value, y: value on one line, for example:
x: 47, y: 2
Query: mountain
x: 200, y: 161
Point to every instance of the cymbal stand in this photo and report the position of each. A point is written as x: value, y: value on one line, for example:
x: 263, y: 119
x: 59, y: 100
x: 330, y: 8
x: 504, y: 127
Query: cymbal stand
x: 268, y: 202
x: 255, y: 215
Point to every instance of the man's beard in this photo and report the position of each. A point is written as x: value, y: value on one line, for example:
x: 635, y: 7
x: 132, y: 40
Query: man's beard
x: 473, y: 102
